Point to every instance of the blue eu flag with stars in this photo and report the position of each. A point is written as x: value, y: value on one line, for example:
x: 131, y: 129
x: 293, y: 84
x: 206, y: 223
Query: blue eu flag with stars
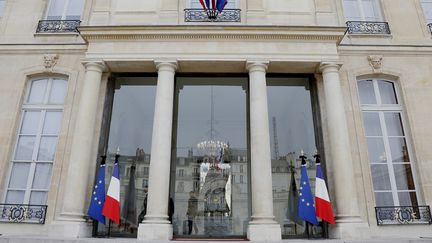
x: 306, y: 206
x: 98, y: 195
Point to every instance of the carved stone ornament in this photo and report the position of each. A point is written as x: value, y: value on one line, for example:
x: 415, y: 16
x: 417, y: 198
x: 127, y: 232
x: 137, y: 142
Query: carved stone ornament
x: 50, y: 60
x: 375, y: 61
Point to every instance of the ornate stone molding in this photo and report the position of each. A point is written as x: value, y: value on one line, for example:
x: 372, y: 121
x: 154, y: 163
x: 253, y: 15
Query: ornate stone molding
x: 50, y: 60
x: 375, y: 61
x: 334, y: 34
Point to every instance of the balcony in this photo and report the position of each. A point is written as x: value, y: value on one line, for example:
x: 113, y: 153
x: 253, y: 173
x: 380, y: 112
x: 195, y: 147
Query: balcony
x: 199, y: 15
x: 403, y: 215
x: 23, y: 213
x: 368, y: 28
x: 58, y: 26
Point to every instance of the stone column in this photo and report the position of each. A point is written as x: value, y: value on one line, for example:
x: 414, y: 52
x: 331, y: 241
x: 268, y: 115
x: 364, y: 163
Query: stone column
x: 77, y: 180
x: 262, y: 226
x: 347, y: 210
x: 156, y: 225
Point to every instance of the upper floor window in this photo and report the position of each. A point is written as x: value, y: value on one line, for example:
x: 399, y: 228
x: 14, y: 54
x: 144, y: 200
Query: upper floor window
x: 388, y: 144
x: 2, y: 6
x: 362, y: 10
x: 65, y: 9
x: 427, y: 9
x: 33, y: 157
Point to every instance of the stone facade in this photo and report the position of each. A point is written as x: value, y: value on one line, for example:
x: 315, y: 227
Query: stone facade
x: 273, y: 36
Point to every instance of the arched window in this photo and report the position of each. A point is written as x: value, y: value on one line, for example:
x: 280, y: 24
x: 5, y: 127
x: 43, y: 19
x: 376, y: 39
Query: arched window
x: 388, y: 144
x: 33, y: 157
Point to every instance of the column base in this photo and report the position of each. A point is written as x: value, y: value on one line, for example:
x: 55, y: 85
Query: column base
x: 64, y: 229
x: 349, y: 228
x: 155, y: 231
x: 264, y: 232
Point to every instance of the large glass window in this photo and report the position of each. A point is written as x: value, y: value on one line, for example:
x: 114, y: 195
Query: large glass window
x: 388, y: 145
x: 35, y: 148
x: 65, y: 9
x: 291, y: 131
x: 427, y: 9
x: 210, y: 150
x: 130, y: 133
x: 362, y: 10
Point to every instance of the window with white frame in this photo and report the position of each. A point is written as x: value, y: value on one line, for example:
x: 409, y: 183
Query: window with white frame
x: 2, y: 7
x: 65, y: 9
x: 389, y: 151
x: 232, y: 4
x: 33, y: 157
x: 427, y: 9
x: 362, y: 10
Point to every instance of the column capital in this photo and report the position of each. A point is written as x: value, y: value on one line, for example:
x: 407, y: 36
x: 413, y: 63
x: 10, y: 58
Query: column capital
x: 166, y: 65
x: 257, y: 65
x: 94, y: 65
x: 330, y: 67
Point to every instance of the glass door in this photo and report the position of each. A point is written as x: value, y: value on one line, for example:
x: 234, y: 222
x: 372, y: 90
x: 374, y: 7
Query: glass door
x: 210, y: 168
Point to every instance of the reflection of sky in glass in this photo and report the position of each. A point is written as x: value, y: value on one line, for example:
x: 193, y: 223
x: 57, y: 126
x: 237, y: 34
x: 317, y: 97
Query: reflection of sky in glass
x: 195, y: 116
x: 291, y: 105
x: 132, y: 118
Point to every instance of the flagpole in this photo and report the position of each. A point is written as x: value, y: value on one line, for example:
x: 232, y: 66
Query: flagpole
x: 109, y: 228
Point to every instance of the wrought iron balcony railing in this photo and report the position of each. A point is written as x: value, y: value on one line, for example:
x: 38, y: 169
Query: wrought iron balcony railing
x: 370, y: 28
x: 23, y: 213
x: 403, y: 215
x: 199, y: 15
x: 57, y: 26
x: 430, y: 27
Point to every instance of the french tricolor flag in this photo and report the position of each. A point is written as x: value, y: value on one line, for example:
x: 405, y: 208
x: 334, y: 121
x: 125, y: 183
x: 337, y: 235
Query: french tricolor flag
x: 111, y: 208
x: 322, y: 200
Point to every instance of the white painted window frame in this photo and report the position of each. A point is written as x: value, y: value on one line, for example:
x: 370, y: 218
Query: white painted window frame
x: 65, y: 9
x: 377, y: 3
x: 43, y: 108
x: 381, y: 108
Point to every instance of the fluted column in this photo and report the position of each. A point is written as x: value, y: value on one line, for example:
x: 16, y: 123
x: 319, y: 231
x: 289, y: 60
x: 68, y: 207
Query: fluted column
x: 262, y: 225
x: 156, y: 225
x: 347, y: 210
x: 80, y: 160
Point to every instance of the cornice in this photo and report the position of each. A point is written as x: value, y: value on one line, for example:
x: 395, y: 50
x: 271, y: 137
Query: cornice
x: 176, y: 32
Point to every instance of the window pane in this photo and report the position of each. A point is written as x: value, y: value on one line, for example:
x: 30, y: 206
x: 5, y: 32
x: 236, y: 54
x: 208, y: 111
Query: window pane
x: 407, y: 199
x: 38, y: 198
x: 15, y: 197
x: 30, y: 122
x: 404, y: 177
x: 371, y: 10
x: 394, y: 124
x: 37, y: 91
x: 42, y: 176
x: 366, y: 92
x: 376, y: 150
x: 383, y: 199
x: 56, y: 9
x: 58, y: 91
x: 47, y: 149
x: 380, y: 177
x: 399, y: 150
x: 24, y: 150
x: 387, y: 91
x: 19, y: 175
x: 372, y: 124
x: 427, y: 9
x: 352, y: 11
x: 75, y: 9
x: 2, y: 7
x: 52, y: 122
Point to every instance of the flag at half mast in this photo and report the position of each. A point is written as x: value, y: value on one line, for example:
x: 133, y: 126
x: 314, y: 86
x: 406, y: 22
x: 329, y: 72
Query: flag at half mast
x: 111, y: 208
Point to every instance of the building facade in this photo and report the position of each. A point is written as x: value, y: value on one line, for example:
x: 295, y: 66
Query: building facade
x: 210, y: 113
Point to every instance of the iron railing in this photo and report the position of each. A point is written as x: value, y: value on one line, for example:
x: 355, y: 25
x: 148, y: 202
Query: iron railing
x: 200, y: 15
x: 430, y: 27
x: 23, y: 213
x: 57, y: 26
x: 403, y: 215
x: 367, y: 27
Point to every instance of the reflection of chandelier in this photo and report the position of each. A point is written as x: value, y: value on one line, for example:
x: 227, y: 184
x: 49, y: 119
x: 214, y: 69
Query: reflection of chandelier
x: 211, y: 146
